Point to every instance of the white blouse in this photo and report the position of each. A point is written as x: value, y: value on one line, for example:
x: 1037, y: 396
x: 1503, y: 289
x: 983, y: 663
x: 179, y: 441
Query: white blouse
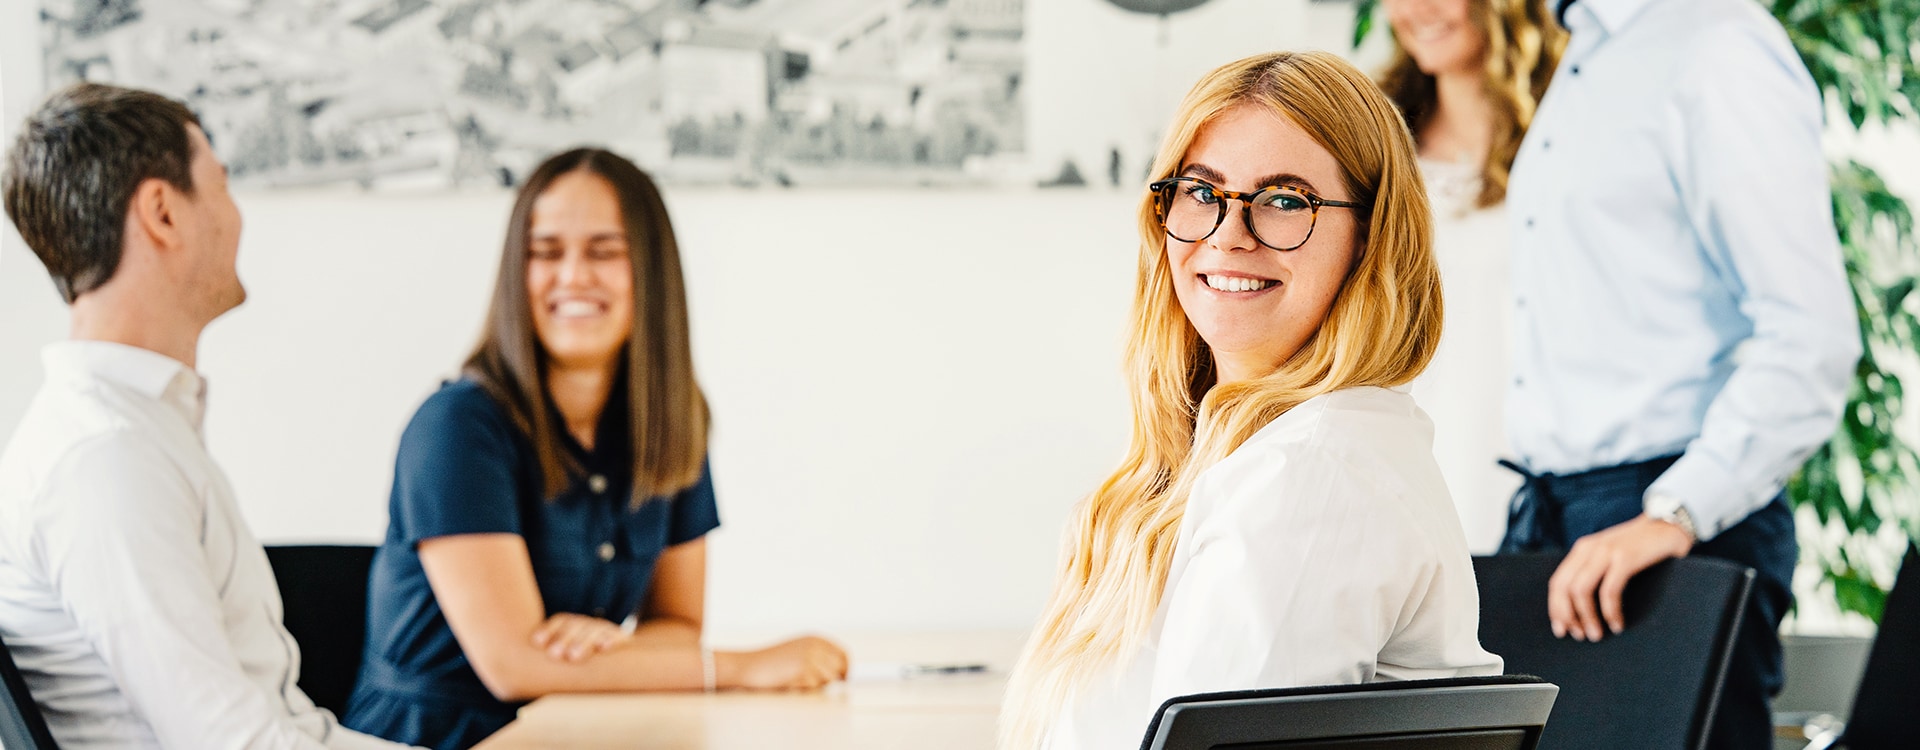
x: 1323, y: 551
x: 1465, y: 386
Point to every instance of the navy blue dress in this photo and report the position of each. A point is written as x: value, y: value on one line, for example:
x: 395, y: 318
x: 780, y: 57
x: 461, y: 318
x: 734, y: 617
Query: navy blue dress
x: 464, y: 469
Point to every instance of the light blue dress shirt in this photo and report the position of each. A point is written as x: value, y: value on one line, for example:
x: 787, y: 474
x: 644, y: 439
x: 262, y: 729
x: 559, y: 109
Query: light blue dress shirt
x: 1678, y: 283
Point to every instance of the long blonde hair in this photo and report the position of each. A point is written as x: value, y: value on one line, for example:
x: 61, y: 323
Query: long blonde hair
x: 1524, y: 44
x: 1381, y: 331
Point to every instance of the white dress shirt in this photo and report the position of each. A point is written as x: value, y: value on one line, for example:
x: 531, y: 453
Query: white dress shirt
x: 138, y: 606
x: 1678, y: 281
x: 1323, y: 551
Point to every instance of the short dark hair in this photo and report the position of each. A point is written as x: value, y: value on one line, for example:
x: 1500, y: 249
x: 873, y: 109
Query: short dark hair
x: 71, y: 175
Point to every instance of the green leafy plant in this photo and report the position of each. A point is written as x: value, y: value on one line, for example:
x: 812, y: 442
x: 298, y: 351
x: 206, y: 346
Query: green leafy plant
x: 1861, y: 55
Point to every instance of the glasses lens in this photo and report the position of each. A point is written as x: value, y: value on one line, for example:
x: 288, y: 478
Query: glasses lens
x: 1192, y: 210
x: 1282, y: 218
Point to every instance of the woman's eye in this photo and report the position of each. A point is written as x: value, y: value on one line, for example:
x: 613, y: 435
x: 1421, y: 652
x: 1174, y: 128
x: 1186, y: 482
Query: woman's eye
x: 1203, y: 194
x: 544, y: 253
x: 1288, y: 202
x: 607, y: 252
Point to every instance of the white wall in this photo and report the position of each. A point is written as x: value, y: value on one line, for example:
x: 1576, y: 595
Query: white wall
x: 910, y: 388
x: 1100, y: 78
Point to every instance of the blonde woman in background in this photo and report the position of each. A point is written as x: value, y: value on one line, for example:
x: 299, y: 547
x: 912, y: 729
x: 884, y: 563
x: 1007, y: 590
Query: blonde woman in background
x: 1467, y: 74
x: 1279, y: 519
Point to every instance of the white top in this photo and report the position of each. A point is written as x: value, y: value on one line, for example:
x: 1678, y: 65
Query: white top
x: 1678, y: 281
x: 1323, y: 551
x: 138, y: 606
x: 1465, y: 387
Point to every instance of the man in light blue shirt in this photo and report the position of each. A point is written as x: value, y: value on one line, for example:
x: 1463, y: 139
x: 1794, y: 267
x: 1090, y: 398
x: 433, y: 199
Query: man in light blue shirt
x: 1683, y: 334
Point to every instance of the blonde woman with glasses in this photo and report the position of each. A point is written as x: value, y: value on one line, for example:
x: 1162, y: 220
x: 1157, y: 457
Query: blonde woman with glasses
x: 1279, y: 519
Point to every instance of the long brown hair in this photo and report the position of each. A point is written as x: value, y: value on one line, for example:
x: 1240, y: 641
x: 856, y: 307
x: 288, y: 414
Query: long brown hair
x: 1381, y: 331
x: 667, y: 414
x: 1524, y: 44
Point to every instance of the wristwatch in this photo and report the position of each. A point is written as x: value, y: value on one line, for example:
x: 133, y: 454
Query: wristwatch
x: 1668, y: 508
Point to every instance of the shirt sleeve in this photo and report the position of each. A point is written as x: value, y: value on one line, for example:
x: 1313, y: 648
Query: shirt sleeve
x: 1303, y: 573
x: 1755, y: 185
x: 695, y: 510
x: 455, y: 473
x: 120, y: 531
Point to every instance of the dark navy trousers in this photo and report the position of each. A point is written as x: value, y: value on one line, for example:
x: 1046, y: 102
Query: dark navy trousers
x: 1550, y: 512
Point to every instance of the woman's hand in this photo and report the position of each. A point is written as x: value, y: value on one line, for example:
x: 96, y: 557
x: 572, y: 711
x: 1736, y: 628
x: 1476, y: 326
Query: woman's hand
x: 800, y: 664
x: 572, y: 638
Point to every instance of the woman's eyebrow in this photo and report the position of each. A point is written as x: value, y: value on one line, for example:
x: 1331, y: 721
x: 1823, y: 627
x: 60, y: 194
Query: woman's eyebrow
x: 595, y: 237
x: 1287, y: 179
x: 1204, y: 172
x: 1283, y: 179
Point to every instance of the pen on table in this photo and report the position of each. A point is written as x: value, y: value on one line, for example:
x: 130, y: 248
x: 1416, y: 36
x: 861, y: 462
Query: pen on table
x: 940, y: 669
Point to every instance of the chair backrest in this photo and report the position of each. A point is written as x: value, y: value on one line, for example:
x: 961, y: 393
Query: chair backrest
x: 1653, y: 686
x: 1886, y: 710
x: 324, y: 589
x: 1469, y: 713
x: 21, y: 725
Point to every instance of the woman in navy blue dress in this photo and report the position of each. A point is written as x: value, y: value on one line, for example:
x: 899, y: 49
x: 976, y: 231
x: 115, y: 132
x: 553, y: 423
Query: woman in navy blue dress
x: 549, y: 508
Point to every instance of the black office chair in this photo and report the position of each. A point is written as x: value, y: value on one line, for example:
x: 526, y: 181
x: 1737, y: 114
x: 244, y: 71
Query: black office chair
x: 1462, y: 713
x: 1886, y: 710
x: 21, y: 725
x: 324, y: 588
x: 1654, y: 686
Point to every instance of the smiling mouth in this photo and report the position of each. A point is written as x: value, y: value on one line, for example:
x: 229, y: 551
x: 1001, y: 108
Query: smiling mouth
x: 1431, y: 31
x: 576, y: 309
x: 1237, y: 283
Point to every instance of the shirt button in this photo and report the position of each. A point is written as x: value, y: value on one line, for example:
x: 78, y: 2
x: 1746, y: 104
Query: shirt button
x: 1575, y: 70
x: 1519, y: 382
x: 606, y: 552
x: 1546, y: 144
x: 597, y: 483
x: 1529, y: 222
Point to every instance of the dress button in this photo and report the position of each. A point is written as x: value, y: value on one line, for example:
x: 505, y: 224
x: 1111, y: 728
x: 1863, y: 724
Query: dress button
x: 606, y: 552
x: 597, y: 483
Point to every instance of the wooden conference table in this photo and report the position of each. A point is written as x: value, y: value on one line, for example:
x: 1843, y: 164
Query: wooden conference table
x: 869, y: 712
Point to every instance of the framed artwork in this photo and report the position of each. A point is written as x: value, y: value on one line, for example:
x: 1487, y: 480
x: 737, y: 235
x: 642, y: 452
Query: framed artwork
x: 444, y: 93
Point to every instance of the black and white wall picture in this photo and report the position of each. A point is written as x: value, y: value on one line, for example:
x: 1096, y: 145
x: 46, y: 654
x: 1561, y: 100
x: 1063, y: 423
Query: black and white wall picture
x: 441, y: 93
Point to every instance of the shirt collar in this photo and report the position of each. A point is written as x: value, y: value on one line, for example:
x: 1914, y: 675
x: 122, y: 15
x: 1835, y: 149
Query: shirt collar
x: 1610, y: 15
x: 148, y: 373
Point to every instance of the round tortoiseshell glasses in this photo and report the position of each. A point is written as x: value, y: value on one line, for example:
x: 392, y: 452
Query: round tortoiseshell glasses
x: 1192, y: 209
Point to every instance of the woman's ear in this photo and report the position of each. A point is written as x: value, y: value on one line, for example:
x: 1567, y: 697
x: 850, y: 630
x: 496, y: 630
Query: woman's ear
x: 1362, y: 238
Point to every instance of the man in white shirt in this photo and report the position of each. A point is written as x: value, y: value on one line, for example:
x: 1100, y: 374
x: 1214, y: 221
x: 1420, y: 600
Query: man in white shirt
x: 1683, y: 330
x: 140, y: 609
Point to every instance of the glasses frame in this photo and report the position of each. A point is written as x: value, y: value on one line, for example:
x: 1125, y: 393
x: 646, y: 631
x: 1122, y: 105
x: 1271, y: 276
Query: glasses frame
x: 1163, y: 199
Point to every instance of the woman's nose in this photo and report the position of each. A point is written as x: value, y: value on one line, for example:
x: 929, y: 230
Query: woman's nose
x: 1233, y: 233
x: 575, y: 270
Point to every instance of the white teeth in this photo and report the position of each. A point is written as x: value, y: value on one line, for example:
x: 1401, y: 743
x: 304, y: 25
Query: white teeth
x: 576, y: 309
x: 1235, y: 283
